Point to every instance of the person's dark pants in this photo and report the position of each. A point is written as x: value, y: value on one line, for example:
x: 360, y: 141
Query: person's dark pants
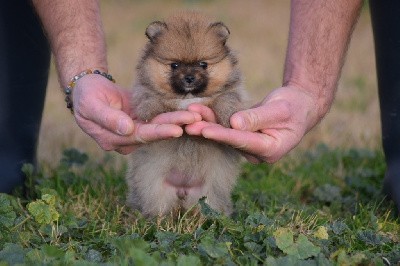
x: 386, y: 27
x: 24, y: 67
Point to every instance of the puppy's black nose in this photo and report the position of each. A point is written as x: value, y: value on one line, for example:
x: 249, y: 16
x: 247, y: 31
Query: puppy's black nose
x: 189, y: 79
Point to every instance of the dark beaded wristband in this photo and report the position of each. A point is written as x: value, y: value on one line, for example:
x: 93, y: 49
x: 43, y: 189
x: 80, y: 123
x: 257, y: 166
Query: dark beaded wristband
x: 72, y: 83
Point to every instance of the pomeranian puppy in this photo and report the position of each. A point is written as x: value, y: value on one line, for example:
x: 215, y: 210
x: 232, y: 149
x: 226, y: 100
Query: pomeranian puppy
x: 186, y: 60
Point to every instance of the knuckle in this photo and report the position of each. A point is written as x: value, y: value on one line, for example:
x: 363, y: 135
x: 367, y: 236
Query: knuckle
x: 272, y: 160
x: 140, y: 140
x: 138, y: 135
x: 271, y: 157
x: 106, y: 120
x: 252, y: 119
x: 271, y: 151
x: 80, y: 120
x: 106, y: 146
x: 241, y: 146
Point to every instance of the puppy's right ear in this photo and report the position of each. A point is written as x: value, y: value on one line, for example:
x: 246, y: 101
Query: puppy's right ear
x: 221, y: 30
x: 155, y: 29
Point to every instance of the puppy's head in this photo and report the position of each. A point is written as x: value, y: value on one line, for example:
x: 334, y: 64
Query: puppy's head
x: 187, y: 55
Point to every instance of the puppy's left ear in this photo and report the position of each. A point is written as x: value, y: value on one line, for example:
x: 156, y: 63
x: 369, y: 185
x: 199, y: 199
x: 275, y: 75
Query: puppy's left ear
x: 221, y: 30
x: 155, y: 29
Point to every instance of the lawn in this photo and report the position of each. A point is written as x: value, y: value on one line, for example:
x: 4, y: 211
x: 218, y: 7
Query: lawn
x: 323, y: 207
x: 320, y: 205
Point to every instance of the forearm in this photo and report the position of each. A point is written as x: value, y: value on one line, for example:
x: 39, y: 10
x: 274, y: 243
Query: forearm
x: 319, y: 36
x: 75, y: 33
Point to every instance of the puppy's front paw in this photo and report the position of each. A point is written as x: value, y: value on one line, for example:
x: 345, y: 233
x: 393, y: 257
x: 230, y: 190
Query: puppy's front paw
x: 224, y: 118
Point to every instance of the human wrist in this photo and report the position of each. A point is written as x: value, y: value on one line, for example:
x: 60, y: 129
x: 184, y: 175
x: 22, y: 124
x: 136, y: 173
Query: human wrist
x: 67, y: 73
x: 68, y: 89
x: 320, y: 95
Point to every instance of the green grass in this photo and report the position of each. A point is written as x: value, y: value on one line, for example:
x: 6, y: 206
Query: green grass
x: 322, y: 207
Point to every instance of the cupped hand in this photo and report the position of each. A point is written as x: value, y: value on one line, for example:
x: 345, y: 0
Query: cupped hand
x: 266, y: 132
x: 103, y: 110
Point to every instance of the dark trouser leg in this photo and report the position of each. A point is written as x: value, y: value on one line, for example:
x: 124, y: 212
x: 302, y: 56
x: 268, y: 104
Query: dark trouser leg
x: 386, y: 27
x: 24, y: 66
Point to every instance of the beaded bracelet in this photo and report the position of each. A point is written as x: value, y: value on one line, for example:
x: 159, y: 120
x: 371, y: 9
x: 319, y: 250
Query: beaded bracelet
x: 72, y: 83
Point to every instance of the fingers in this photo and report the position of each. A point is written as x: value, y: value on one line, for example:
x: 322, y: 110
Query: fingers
x: 177, y: 118
x: 261, y: 147
x: 98, y: 100
x: 145, y: 133
x: 103, y: 111
x: 106, y: 139
x: 272, y: 115
x: 115, y: 130
x: 206, y: 113
x: 254, y: 145
x: 142, y: 133
x: 109, y: 118
x: 243, y: 140
x: 163, y: 125
x: 196, y: 129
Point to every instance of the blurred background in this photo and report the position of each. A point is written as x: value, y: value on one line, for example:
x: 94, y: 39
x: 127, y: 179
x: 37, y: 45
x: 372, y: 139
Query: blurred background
x: 259, y: 30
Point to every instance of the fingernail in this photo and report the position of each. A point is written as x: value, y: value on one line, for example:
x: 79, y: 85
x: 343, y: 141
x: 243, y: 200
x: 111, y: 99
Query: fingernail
x: 178, y: 133
x: 123, y: 127
x: 197, y: 117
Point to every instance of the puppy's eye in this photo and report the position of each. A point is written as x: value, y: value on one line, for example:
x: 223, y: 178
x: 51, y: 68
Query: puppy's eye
x: 174, y: 65
x: 203, y: 65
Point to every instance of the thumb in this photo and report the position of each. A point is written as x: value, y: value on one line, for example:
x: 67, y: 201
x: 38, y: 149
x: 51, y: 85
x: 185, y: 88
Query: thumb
x: 248, y: 120
x: 125, y: 125
x: 267, y: 115
x: 114, y: 120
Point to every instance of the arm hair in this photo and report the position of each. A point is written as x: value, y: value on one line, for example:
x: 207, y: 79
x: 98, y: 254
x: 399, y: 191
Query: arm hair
x: 318, y: 40
x: 76, y: 36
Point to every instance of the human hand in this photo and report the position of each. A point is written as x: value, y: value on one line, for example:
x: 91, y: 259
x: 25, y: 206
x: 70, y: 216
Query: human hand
x: 265, y: 132
x: 103, y: 110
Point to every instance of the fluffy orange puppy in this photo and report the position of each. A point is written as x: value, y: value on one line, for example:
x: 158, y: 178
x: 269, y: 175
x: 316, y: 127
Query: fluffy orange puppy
x: 185, y: 61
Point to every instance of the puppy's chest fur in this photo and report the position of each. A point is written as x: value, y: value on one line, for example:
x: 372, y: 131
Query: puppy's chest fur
x: 182, y: 104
